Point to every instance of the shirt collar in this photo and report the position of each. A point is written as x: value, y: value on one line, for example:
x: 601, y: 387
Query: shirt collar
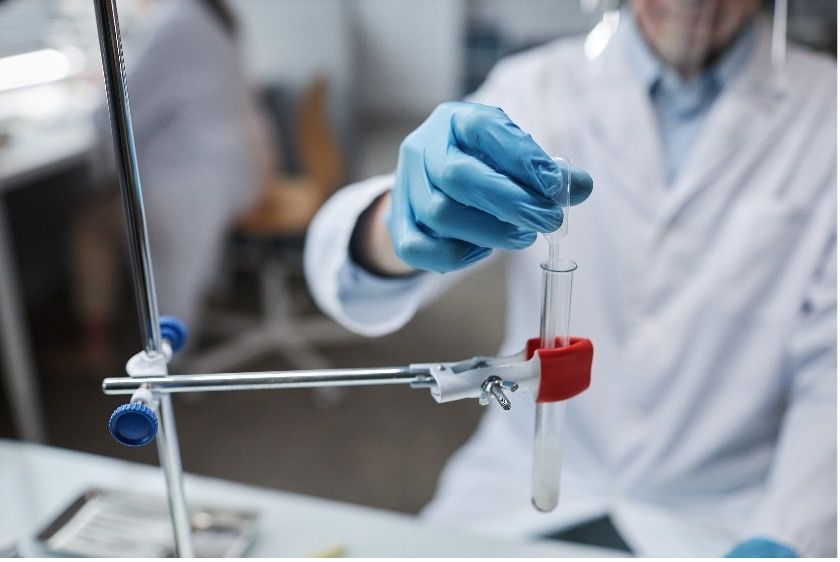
x: 651, y: 69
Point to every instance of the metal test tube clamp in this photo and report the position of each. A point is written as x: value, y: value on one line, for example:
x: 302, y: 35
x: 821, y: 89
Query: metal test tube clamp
x: 113, y: 68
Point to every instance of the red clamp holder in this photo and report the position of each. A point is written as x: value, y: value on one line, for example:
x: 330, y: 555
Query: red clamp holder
x: 564, y: 371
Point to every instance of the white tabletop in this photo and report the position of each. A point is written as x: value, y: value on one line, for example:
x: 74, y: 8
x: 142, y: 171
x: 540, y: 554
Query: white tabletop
x: 34, y: 153
x: 37, y: 483
x: 50, y: 127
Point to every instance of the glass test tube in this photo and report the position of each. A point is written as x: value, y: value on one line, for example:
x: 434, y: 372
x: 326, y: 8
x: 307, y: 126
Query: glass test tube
x: 557, y: 276
x: 548, y: 428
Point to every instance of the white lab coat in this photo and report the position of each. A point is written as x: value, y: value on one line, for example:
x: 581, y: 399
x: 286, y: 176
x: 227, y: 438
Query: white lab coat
x: 711, y: 303
x: 201, y: 148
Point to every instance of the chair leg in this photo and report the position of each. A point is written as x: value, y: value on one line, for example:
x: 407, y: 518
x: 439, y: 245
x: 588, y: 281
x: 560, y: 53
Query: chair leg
x: 277, y: 332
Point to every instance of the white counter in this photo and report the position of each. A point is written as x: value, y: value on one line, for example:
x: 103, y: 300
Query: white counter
x: 37, y: 483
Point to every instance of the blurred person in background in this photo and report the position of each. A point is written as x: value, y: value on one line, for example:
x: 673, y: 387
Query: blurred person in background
x: 204, y: 156
x: 707, y: 276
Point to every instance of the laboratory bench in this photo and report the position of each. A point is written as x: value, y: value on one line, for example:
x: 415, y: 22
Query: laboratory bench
x: 38, y: 482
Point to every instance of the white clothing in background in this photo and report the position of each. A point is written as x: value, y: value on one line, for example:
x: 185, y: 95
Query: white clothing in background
x: 200, y: 146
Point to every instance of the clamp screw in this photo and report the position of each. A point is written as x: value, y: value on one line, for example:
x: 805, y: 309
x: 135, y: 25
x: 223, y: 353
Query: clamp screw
x: 493, y: 386
x: 174, y: 331
x: 133, y: 424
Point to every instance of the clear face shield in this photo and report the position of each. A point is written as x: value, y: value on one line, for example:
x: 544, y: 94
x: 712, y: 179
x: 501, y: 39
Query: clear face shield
x: 689, y: 34
x: 778, y: 45
x: 598, y: 39
x: 686, y: 34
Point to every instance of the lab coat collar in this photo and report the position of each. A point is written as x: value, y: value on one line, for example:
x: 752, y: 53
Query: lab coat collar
x: 741, y: 116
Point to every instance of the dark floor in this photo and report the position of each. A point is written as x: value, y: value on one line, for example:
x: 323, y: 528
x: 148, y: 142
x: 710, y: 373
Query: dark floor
x: 379, y: 446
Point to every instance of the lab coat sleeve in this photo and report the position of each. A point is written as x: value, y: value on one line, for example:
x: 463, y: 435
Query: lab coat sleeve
x: 800, y: 508
x: 358, y: 300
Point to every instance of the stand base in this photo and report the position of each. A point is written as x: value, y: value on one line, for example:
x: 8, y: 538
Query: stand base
x: 115, y: 523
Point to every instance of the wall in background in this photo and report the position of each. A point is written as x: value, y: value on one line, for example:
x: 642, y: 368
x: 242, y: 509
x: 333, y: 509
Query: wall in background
x: 411, y: 55
x: 23, y: 26
x: 530, y: 21
x: 498, y: 28
x: 289, y: 42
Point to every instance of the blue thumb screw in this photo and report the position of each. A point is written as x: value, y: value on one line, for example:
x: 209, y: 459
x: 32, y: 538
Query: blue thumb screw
x: 173, y: 330
x: 133, y: 424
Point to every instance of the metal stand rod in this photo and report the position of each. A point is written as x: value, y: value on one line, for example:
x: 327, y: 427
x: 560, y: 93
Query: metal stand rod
x: 141, y: 262
x: 128, y: 172
x: 169, y: 454
x: 268, y: 380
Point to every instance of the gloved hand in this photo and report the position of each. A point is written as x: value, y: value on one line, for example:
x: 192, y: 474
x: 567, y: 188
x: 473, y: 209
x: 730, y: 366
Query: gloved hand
x: 469, y: 180
x: 760, y: 547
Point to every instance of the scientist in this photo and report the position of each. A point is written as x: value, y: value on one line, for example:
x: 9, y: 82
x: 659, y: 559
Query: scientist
x: 204, y: 154
x: 707, y: 276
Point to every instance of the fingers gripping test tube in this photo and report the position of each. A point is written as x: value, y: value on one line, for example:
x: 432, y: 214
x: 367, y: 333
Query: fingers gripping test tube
x: 557, y: 273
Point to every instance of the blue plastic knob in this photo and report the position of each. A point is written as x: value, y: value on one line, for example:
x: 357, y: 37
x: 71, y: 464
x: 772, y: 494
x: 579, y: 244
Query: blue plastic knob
x: 173, y: 330
x: 133, y: 425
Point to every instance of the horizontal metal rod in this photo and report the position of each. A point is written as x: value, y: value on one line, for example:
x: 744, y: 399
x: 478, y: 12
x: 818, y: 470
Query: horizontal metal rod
x: 268, y: 380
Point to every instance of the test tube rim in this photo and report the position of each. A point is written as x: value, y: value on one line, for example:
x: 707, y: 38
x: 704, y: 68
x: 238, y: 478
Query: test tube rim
x: 563, y: 266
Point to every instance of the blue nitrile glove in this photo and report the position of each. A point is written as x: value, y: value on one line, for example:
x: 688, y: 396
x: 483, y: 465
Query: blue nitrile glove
x: 469, y: 180
x: 760, y: 547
